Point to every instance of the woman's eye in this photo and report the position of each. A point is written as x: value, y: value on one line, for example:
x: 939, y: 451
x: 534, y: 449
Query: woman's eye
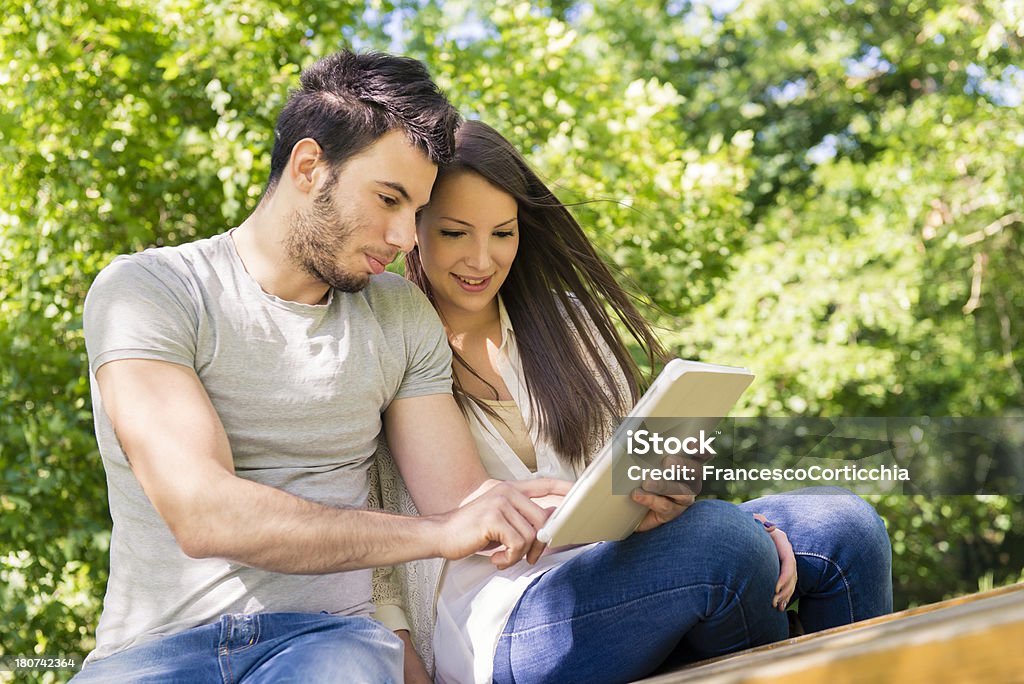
x: 505, y: 234
x: 451, y: 233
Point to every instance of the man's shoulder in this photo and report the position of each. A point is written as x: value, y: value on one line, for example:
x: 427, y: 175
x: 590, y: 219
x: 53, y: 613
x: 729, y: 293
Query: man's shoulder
x: 400, y: 308
x: 390, y: 292
x: 391, y: 283
x: 155, y: 279
x: 169, y: 265
x: 174, y: 256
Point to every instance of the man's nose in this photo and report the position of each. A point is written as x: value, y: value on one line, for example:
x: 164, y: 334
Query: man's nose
x: 401, y: 232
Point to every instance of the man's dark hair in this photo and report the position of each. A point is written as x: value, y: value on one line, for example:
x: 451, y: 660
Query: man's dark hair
x: 347, y: 101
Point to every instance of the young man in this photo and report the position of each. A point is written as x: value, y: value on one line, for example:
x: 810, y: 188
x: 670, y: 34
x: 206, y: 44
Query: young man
x: 239, y: 387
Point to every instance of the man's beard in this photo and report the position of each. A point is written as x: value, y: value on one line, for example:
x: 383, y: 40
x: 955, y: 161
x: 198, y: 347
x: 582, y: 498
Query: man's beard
x: 317, y: 237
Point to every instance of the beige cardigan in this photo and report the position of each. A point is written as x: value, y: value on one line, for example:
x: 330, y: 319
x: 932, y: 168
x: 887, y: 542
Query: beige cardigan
x: 404, y: 594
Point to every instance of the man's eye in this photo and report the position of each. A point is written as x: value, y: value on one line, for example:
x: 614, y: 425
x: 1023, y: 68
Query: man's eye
x: 388, y: 200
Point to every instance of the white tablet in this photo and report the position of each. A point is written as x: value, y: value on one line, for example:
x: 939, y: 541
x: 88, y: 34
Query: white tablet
x: 698, y: 393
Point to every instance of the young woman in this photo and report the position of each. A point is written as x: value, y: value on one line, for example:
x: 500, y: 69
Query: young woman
x: 540, y: 373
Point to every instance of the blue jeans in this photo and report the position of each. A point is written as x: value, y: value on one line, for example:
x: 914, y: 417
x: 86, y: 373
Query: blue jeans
x: 697, y: 587
x: 262, y: 647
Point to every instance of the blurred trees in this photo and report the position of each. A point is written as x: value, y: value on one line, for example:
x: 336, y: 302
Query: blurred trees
x: 829, y: 193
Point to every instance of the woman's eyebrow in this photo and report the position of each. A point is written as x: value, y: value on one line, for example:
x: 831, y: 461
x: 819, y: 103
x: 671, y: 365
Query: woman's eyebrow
x: 459, y: 221
x: 470, y: 225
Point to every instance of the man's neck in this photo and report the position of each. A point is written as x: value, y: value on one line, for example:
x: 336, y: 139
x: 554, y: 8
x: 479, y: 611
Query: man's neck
x: 260, y: 243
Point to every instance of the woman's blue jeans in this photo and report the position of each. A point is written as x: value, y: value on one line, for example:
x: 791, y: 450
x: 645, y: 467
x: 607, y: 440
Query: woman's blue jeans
x: 697, y: 587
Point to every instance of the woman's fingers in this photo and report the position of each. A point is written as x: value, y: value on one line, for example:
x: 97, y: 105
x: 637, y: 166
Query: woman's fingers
x: 786, y: 585
x: 662, y: 508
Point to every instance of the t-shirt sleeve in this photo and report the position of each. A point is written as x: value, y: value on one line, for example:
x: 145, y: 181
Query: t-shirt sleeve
x: 429, y: 360
x: 139, y: 309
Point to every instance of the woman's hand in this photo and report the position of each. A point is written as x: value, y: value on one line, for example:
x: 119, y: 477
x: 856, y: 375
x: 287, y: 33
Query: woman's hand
x: 663, y: 507
x: 786, y: 585
x: 667, y: 499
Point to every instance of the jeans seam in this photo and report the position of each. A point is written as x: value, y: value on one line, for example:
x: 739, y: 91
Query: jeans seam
x: 225, y: 662
x: 842, y: 575
x: 732, y: 596
x: 225, y: 652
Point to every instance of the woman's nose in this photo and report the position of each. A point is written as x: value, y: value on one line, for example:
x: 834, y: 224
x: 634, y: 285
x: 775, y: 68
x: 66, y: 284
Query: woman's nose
x: 480, y: 256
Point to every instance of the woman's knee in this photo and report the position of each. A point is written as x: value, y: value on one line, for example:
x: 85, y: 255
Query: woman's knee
x: 835, y: 524
x: 863, y: 527
x: 857, y: 519
x: 737, y: 541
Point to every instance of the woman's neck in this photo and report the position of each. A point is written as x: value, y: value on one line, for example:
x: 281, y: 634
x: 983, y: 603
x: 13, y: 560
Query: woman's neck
x: 464, y: 325
x: 475, y: 338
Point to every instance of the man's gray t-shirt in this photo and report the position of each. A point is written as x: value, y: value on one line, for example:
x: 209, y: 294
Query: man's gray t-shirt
x: 299, y: 389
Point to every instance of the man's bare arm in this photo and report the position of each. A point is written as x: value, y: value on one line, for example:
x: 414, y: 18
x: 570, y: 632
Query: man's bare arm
x: 437, y: 457
x: 434, y: 450
x: 180, y: 454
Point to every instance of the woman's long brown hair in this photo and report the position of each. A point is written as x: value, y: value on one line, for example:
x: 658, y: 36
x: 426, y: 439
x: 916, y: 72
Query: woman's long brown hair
x: 557, y: 281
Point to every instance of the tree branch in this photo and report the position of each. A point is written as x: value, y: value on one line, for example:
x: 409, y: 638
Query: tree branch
x: 978, y: 271
x: 992, y: 228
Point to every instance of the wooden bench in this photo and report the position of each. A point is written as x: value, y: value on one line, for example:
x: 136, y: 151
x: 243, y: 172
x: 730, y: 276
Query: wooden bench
x: 974, y: 638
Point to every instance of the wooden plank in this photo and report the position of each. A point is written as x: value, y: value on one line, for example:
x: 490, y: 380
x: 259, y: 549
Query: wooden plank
x: 975, y: 638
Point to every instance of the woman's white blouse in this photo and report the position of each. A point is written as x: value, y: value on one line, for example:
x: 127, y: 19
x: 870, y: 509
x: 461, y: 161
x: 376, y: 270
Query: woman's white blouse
x: 475, y: 600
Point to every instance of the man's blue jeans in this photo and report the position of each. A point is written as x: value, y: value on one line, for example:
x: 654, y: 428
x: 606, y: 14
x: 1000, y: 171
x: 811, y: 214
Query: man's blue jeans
x: 697, y: 587
x: 262, y: 647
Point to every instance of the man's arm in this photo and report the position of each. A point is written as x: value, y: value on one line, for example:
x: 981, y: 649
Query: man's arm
x: 180, y: 454
x: 435, y: 453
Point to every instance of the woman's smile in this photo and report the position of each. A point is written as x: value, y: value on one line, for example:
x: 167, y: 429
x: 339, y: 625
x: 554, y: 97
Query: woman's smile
x: 472, y: 285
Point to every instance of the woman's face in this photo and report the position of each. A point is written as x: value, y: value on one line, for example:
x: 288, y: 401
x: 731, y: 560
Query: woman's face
x: 468, y: 237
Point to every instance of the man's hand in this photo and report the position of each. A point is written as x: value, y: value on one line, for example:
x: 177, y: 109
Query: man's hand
x: 500, y: 514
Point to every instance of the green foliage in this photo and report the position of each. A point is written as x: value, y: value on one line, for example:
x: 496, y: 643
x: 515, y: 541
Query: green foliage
x: 953, y: 545
x: 128, y: 125
x: 829, y: 193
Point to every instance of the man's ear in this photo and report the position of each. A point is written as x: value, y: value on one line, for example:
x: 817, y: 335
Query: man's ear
x: 304, y: 167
